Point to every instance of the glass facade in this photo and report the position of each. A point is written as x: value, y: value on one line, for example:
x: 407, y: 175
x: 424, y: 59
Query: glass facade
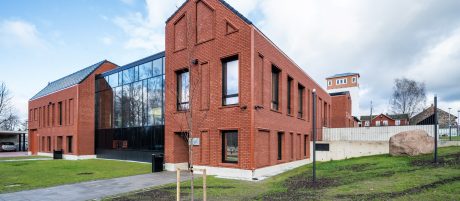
x: 130, y: 112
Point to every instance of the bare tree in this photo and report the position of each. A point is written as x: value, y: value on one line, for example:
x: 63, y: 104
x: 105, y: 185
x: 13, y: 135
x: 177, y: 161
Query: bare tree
x: 5, y: 102
x: 10, y: 123
x: 409, y: 96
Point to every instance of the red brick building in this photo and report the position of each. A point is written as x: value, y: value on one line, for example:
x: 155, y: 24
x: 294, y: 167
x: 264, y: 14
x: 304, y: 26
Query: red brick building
x: 61, y: 116
x: 341, y: 111
x: 250, y: 103
x: 386, y: 120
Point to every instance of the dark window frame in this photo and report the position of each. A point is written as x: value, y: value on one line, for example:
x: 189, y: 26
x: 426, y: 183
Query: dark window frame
x: 280, y: 145
x: 182, y: 106
x: 69, y: 144
x: 275, y: 102
x: 301, y: 93
x: 60, y: 112
x: 224, y: 145
x: 226, y: 96
x: 289, y: 95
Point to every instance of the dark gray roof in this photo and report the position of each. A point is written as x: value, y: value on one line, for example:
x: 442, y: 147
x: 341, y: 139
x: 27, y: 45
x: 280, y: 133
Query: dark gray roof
x: 393, y: 116
x: 68, y: 81
x: 342, y: 75
x: 224, y: 3
x: 339, y: 93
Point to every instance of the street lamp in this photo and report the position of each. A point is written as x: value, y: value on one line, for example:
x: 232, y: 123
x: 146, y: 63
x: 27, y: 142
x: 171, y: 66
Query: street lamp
x: 458, y: 123
x: 450, y: 125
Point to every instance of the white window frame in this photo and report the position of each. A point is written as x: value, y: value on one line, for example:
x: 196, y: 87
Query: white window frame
x: 377, y: 123
x: 354, y: 79
x: 329, y: 83
x: 345, y: 80
x: 398, y: 122
x: 366, y: 123
x: 385, y: 122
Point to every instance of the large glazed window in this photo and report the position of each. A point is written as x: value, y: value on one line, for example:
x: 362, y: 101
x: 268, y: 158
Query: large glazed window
x: 183, y: 90
x: 300, y: 113
x: 230, y: 84
x: 230, y: 146
x: 289, y: 94
x: 275, y: 88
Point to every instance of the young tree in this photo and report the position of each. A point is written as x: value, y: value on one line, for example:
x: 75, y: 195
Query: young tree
x: 5, y: 104
x: 409, y: 96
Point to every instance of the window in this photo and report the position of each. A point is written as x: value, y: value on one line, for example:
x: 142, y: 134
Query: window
x: 49, y: 143
x: 69, y: 144
x: 280, y: 146
x: 230, y: 146
x: 385, y: 123
x: 366, y: 123
x: 289, y: 94
x: 301, y: 97
x: 275, y: 87
x: 354, y: 79
x: 60, y: 113
x: 230, y: 81
x: 305, y: 145
x: 145, y: 71
x: 377, y: 123
x: 398, y: 122
x: 341, y: 81
x: 329, y: 82
x: 183, y: 87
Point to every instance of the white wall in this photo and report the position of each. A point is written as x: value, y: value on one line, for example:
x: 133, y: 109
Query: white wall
x: 382, y: 133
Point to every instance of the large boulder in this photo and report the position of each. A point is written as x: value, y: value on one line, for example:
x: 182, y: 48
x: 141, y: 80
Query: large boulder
x: 411, y: 143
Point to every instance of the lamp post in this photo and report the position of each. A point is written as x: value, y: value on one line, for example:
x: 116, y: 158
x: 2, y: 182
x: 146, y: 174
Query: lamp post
x: 435, y: 128
x: 458, y: 123
x: 450, y: 126
x: 314, y: 135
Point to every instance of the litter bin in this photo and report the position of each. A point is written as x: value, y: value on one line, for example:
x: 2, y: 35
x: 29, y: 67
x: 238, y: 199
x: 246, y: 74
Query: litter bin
x: 57, y: 154
x: 157, y: 162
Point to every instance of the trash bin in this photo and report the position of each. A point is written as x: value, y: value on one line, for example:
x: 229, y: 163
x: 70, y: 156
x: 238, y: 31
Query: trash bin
x: 157, y: 162
x: 57, y: 154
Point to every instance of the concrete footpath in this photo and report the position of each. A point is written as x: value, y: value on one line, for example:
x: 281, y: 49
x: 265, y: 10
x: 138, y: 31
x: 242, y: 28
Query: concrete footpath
x: 94, y: 189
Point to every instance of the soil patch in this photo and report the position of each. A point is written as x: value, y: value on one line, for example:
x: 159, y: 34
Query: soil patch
x: 85, y: 173
x: 451, y: 160
x: 301, y: 182
x: 356, y: 167
x: 391, y: 195
x: 156, y: 194
x: 200, y: 187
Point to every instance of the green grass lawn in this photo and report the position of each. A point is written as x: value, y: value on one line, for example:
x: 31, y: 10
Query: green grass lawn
x: 367, y: 178
x: 24, y: 175
x: 446, y: 138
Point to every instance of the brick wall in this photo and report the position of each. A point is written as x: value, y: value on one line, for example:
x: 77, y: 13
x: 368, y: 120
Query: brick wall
x: 77, y: 118
x: 217, y: 33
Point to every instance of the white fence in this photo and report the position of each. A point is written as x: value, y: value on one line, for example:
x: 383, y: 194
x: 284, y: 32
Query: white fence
x: 371, y: 133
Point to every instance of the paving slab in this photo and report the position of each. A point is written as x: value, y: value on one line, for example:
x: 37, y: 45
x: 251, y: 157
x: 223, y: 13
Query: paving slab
x: 94, y: 190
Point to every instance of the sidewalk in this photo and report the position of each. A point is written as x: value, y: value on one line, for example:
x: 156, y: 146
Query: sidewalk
x: 94, y: 189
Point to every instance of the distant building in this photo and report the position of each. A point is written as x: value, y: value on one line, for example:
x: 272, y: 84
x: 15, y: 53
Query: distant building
x: 426, y: 117
x: 385, y: 120
x: 346, y: 82
x: 341, y: 116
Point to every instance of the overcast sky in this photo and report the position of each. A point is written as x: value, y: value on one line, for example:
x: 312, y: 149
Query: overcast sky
x: 43, y: 40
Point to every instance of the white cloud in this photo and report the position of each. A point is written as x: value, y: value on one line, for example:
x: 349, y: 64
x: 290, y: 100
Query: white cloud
x: 381, y: 40
x: 19, y: 33
x: 107, y: 40
x: 147, y: 31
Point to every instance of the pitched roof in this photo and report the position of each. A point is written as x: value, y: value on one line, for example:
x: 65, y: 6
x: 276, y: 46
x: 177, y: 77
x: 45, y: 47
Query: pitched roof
x: 342, y: 75
x: 393, y: 116
x: 68, y: 81
x: 223, y: 3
